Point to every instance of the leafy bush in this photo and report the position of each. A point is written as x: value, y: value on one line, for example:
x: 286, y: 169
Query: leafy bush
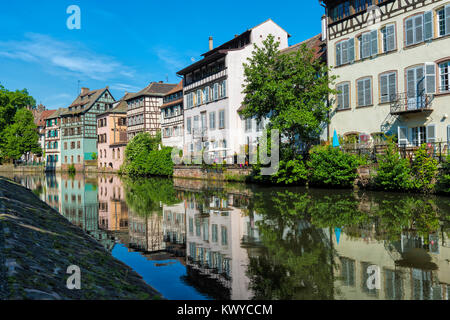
x: 143, y: 157
x: 331, y: 167
x: 393, y: 172
x: 443, y: 182
x: 291, y: 172
x: 424, y: 170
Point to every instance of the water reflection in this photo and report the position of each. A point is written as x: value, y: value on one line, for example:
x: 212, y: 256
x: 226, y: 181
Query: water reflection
x: 198, y: 240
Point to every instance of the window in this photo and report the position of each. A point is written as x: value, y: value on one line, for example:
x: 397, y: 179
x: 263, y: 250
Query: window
x: 223, y: 89
x: 444, y: 20
x: 343, y: 96
x: 212, y: 120
x: 388, y: 87
x: 224, y: 234
x: 388, y: 35
x: 78, y: 159
x: 78, y: 145
x: 188, y: 125
x: 414, y: 29
x: 206, y: 94
x: 72, y: 145
x: 216, y: 91
x: 364, y: 88
x: 214, y: 233
x: 199, y: 97
x: 368, y: 44
x: 196, y: 119
x: 418, y: 136
x: 221, y: 119
x: 248, y: 124
x: 65, y: 146
x: 444, y: 76
x: 345, y: 52
x: 259, y: 125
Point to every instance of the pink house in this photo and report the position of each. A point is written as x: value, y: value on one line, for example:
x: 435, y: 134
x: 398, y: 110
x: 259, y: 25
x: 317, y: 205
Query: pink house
x: 112, y: 137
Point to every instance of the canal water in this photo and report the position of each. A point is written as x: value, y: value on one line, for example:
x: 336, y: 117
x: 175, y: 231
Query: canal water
x: 198, y: 240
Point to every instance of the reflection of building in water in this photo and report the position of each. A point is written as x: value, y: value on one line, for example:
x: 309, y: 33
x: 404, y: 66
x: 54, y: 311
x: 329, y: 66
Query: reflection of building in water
x: 112, y: 208
x: 216, y: 260
x: 174, y: 229
x: 146, y: 232
x: 411, y: 268
x: 53, y: 189
x: 79, y: 205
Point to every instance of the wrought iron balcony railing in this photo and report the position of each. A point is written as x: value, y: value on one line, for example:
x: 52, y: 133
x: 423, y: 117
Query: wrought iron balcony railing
x: 402, y: 103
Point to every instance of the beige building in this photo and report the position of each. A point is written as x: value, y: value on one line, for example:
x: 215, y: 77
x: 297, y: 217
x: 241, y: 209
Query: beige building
x: 392, y: 59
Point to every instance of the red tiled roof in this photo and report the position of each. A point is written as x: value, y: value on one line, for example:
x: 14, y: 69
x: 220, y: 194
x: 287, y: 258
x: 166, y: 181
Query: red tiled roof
x: 40, y: 121
x: 315, y: 43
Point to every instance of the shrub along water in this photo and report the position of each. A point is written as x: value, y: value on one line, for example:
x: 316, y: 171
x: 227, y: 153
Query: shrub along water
x: 424, y: 169
x: 443, y: 183
x: 331, y: 167
x: 143, y: 157
x: 393, y: 172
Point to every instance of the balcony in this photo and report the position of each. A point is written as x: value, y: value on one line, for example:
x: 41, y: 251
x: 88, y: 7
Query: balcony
x: 401, y: 104
x: 205, y: 79
x: 171, y: 119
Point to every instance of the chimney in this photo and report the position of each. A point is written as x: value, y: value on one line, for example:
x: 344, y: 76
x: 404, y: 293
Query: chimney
x: 84, y: 91
x: 161, y: 82
x: 324, y: 28
x: 211, y: 46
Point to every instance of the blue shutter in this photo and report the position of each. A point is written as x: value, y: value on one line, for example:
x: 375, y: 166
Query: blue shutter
x: 447, y: 19
x: 428, y: 25
x: 351, y: 50
x: 374, y: 42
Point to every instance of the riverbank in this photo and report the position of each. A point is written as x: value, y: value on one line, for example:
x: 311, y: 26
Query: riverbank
x: 37, y: 245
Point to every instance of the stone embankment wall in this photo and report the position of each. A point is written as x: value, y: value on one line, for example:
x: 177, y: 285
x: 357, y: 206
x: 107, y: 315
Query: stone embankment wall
x: 37, y: 245
x: 197, y: 172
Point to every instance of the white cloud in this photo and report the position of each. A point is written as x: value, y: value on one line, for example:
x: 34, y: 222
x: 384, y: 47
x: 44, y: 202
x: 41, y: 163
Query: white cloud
x: 124, y: 87
x: 66, y: 57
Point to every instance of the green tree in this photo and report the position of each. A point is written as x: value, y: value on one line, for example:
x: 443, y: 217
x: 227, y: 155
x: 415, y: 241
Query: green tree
x: 21, y: 136
x: 291, y: 89
x: 394, y: 173
x: 424, y: 169
x: 10, y: 103
x: 443, y: 184
x: 331, y: 167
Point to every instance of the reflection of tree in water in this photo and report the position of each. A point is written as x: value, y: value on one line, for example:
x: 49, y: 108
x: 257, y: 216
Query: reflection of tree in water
x: 145, y: 196
x: 296, y: 262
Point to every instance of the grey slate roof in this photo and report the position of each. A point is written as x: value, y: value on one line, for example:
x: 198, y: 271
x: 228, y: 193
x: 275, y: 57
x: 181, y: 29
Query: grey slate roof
x: 157, y: 89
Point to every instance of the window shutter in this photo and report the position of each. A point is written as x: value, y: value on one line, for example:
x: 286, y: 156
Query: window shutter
x: 390, y: 34
x: 360, y: 85
x: 428, y: 25
x: 351, y: 50
x: 430, y: 78
x: 418, y: 26
x: 338, y: 54
x: 392, y: 86
x: 340, y: 96
x: 409, y: 32
x: 344, y: 52
x: 384, y: 88
x: 374, y: 42
x: 366, y: 45
x: 368, y: 92
x: 431, y: 133
x: 448, y: 136
x: 346, y: 96
x: 402, y: 135
x: 447, y: 19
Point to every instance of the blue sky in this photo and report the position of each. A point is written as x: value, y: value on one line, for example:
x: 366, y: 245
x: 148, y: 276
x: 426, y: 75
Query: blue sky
x: 126, y: 44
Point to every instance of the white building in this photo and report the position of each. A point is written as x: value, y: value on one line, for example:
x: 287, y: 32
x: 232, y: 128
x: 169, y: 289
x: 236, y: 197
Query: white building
x: 392, y: 61
x: 172, y: 118
x: 212, y: 89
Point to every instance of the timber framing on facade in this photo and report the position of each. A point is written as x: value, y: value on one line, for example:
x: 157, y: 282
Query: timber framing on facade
x: 350, y: 20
